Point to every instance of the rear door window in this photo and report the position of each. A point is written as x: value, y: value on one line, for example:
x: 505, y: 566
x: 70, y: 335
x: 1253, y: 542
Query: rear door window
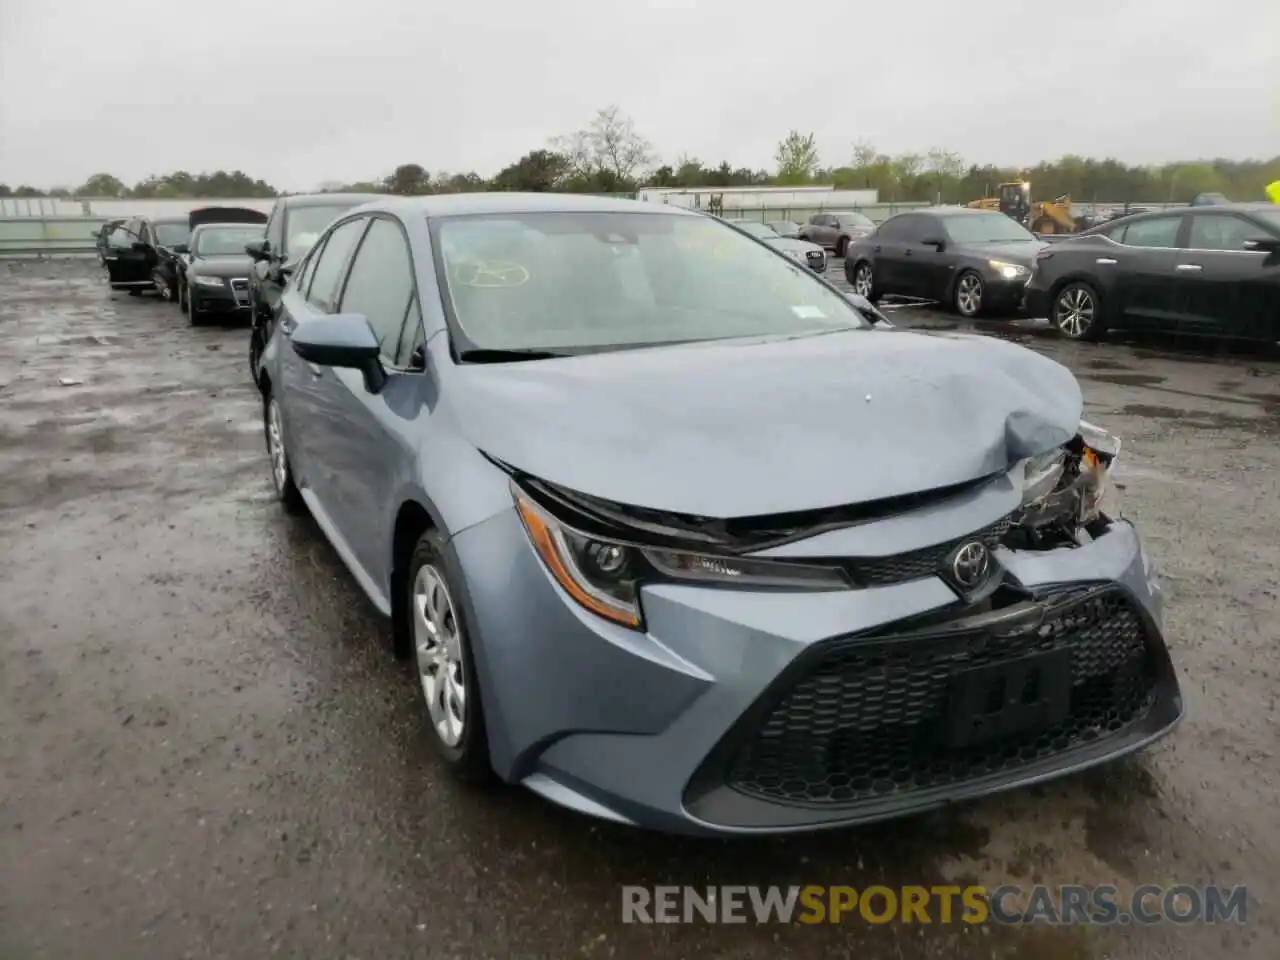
x: 1156, y: 232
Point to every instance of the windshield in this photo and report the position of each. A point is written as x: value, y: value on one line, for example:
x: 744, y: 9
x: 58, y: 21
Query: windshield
x: 172, y: 233
x: 985, y: 228
x: 221, y: 241
x: 307, y: 223
x: 756, y: 229
x: 560, y: 281
x: 851, y: 219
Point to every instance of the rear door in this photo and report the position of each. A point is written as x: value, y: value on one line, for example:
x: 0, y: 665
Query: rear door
x: 889, y: 250
x: 1141, y: 268
x: 1225, y: 288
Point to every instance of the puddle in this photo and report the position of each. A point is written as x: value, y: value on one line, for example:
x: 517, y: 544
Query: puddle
x: 1102, y: 363
x: 1194, y: 419
x: 1125, y: 379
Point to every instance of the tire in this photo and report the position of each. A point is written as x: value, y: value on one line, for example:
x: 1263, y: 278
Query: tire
x: 1076, y: 312
x: 189, y: 308
x: 281, y: 472
x: 862, y: 270
x: 442, y: 649
x: 966, y: 296
x: 842, y: 244
x: 255, y: 351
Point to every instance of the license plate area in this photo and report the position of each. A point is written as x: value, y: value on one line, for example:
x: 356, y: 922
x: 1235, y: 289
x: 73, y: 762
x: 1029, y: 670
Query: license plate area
x: 1008, y: 699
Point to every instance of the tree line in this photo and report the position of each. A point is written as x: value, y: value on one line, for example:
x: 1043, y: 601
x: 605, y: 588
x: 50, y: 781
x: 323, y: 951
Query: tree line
x: 610, y: 155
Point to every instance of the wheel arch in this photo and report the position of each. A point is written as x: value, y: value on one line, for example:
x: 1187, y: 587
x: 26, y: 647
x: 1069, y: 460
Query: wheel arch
x: 413, y: 518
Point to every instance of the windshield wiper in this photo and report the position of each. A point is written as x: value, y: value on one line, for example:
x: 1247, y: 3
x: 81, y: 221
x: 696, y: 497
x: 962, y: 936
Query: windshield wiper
x: 510, y: 355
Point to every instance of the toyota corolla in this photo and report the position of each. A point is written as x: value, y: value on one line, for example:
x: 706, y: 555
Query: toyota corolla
x: 681, y: 536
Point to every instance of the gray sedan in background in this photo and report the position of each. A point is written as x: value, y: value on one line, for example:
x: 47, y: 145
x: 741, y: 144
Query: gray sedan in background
x: 810, y: 254
x: 681, y: 537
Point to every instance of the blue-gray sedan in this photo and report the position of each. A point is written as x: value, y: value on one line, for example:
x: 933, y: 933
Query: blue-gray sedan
x: 682, y: 536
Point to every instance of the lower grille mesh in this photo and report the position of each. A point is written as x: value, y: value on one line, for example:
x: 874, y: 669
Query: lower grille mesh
x: 862, y: 724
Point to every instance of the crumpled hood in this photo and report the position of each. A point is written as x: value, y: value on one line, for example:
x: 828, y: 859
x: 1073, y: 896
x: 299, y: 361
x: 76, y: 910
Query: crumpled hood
x: 231, y: 265
x: 750, y: 428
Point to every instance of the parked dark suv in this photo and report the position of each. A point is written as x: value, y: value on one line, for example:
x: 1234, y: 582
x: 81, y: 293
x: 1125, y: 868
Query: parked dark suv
x: 292, y: 228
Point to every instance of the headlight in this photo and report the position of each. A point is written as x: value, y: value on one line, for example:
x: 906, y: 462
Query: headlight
x: 604, y: 575
x: 1010, y: 271
x: 204, y: 281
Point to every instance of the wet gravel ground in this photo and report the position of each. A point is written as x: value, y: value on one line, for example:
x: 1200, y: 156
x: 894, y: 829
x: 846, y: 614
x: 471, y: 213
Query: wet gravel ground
x: 206, y: 749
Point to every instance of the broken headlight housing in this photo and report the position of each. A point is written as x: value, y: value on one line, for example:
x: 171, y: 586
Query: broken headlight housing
x: 604, y: 574
x: 1064, y: 490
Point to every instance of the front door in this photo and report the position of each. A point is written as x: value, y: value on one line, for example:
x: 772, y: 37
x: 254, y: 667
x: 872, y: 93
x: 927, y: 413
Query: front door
x: 367, y: 459
x: 1225, y: 288
x: 126, y: 255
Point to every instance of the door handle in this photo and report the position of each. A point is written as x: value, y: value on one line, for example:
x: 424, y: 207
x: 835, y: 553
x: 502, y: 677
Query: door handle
x: 1190, y: 267
x: 1106, y: 260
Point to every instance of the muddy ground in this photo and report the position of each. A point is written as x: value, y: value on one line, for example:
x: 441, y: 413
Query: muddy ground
x: 206, y: 749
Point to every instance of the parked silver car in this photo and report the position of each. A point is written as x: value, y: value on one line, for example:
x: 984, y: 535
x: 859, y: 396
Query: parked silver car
x: 810, y: 254
x: 835, y: 231
x: 680, y: 537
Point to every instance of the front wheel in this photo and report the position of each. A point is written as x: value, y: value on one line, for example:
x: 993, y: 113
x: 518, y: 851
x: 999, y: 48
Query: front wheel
x: 967, y: 298
x: 446, y: 666
x: 1077, y: 312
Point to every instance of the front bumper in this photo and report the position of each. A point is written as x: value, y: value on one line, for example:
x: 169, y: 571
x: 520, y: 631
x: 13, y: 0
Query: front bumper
x: 230, y: 298
x: 743, y: 712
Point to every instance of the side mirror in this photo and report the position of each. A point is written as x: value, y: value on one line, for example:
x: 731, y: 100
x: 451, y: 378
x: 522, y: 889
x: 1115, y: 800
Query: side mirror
x: 936, y: 242
x: 341, y: 340
x: 1263, y: 245
x: 259, y: 250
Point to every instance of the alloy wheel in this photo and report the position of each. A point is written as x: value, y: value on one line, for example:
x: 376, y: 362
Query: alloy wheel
x: 275, y: 446
x: 969, y: 294
x: 1075, y: 312
x: 862, y: 281
x: 437, y: 643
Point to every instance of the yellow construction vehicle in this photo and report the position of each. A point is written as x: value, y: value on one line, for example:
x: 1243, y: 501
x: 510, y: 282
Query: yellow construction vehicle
x: 1013, y: 199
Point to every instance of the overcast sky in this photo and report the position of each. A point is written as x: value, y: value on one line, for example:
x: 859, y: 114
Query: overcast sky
x: 301, y: 91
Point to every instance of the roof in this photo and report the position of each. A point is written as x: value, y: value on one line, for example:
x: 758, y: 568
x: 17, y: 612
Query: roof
x: 1248, y: 206
x: 327, y: 199
x: 463, y: 204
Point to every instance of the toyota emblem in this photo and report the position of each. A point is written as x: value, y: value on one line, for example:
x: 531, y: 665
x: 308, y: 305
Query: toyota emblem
x: 970, y: 564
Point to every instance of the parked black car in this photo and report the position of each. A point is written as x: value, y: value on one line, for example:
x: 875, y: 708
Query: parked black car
x: 292, y: 228
x: 974, y: 260
x: 1210, y: 270
x: 214, y: 275
x: 101, y: 235
x: 140, y: 253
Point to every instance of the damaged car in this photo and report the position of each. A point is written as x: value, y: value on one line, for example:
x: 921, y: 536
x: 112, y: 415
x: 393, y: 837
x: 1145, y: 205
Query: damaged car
x: 681, y: 536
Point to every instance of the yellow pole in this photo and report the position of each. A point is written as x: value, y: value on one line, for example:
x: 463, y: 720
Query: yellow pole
x: 1273, y: 192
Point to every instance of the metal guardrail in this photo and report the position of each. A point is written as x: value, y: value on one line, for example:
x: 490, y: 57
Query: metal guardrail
x: 48, y: 236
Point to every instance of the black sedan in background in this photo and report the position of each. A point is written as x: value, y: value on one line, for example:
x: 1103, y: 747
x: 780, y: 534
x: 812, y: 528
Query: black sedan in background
x: 1210, y: 270
x: 974, y: 260
x: 215, y: 275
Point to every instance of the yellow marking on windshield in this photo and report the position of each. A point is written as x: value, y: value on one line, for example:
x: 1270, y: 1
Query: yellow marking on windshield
x: 491, y: 273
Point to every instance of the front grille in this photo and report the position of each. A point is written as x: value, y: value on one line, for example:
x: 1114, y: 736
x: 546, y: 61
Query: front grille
x: 863, y: 723
x: 240, y: 290
x: 917, y: 564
